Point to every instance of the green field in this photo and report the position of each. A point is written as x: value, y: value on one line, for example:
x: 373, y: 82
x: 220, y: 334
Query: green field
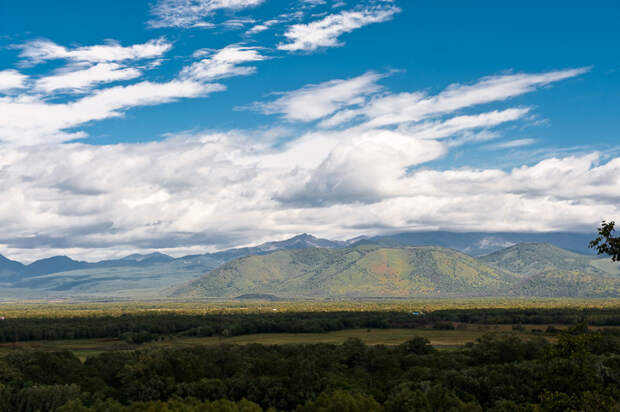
x: 60, y: 308
x: 441, y: 339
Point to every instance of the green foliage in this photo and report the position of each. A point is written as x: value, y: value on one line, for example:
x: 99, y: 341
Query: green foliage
x: 606, y: 242
x: 341, y: 401
x: 499, y: 372
x: 417, y: 346
x: 143, y: 327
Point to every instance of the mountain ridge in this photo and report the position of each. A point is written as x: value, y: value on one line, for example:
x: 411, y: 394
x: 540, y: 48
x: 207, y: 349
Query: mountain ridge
x: 150, y: 274
x: 412, y: 271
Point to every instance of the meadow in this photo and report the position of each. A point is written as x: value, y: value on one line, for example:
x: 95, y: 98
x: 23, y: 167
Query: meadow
x: 62, y: 308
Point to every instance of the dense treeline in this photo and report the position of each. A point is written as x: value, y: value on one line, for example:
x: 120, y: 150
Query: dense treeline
x: 581, y: 371
x: 532, y: 316
x: 143, y: 327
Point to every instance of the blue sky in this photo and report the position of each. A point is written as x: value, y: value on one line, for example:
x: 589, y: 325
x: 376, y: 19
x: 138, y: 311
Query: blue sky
x: 194, y: 125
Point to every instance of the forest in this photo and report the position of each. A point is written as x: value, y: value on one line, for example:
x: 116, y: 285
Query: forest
x: 140, y: 327
x: 570, y: 361
x: 499, y: 372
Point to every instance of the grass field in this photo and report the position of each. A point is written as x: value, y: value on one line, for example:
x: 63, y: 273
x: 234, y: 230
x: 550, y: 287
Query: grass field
x: 441, y: 339
x: 67, y: 308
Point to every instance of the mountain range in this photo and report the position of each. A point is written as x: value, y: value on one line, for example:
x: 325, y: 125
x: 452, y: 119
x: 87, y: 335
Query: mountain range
x: 405, y: 264
x: 370, y: 270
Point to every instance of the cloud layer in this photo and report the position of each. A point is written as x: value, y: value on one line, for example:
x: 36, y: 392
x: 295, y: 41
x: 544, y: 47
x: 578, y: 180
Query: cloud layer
x: 357, y: 172
x: 337, y: 158
x: 218, y: 190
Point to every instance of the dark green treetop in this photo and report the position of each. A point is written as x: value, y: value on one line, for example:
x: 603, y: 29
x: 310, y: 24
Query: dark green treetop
x: 606, y: 242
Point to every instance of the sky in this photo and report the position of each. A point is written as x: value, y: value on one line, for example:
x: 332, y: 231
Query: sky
x: 189, y: 126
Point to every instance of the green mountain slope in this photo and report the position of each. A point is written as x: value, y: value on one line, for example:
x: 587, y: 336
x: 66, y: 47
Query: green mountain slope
x: 352, y: 272
x: 548, y: 271
x: 532, y: 259
x: 571, y: 284
x: 144, y: 282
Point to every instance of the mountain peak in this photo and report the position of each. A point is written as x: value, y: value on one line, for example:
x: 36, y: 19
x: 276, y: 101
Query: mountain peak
x: 138, y: 257
x: 54, y: 264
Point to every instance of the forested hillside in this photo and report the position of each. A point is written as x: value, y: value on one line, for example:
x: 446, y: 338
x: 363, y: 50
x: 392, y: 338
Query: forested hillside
x: 366, y: 270
x: 371, y: 270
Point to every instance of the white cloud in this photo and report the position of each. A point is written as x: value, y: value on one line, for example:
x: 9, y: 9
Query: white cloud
x: 439, y: 129
x: 361, y: 100
x: 362, y: 168
x: 83, y: 78
x: 262, y: 26
x: 316, y: 101
x: 12, y: 79
x: 399, y: 108
x: 38, y: 51
x: 218, y: 190
x: 30, y: 120
x: 223, y: 63
x: 325, y: 32
x: 238, y: 23
x: 512, y: 143
x: 190, y: 13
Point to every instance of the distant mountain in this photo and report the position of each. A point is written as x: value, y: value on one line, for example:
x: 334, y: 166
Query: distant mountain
x: 482, y: 243
x: 368, y: 270
x: 154, y: 274
x: 302, y: 241
x: 52, y: 265
x: 547, y: 270
x: 530, y: 259
x: 134, y: 260
x: 150, y: 258
x: 10, y: 270
x: 130, y: 281
x: 361, y: 271
x: 572, y: 284
x: 136, y: 275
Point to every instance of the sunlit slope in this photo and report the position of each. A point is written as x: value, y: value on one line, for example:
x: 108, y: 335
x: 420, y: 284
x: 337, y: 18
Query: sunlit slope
x: 572, y: 284
x: 532, y: 259
x: 548, y: 271
x: 352, y: 272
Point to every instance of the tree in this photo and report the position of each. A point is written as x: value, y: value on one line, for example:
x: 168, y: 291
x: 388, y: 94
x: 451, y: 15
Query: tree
x: 606, y: 242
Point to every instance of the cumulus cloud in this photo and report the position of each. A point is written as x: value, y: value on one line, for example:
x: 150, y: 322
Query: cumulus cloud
x: 190, y: 13
x: 221, y: 189
x: 325, y: 32
x: 223, y: 63
x: 11, y: 79
x: 39, y: 51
